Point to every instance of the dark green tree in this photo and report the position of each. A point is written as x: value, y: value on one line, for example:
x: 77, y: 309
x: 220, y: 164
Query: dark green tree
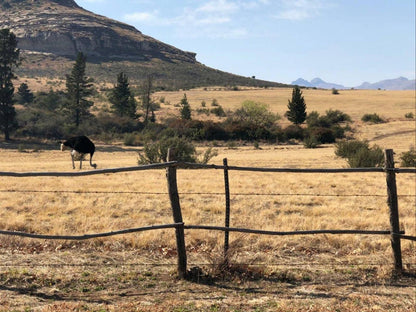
x: 79, y: 88
x: 25, y: 96
x: 122, y: 99
x: 297, y: 107
x: 185, y: 109
x: 9, y: 59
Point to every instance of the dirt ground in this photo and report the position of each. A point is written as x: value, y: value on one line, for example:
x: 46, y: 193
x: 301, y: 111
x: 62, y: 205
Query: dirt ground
x: 82, y: 279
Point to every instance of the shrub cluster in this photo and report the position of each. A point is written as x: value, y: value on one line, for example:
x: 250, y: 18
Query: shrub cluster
x: 373, y: 118
x: 359, y: 154
x: 155, y: 152
x: 253, y: 121
x: 408, y: 159
x: 319, y: 129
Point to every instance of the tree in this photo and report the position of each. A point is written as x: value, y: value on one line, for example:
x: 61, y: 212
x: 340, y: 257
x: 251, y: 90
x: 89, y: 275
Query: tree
x: 297, y: 107
x: 79, y: 87
x: 254, y: 120
x: 185, y: 109
x: 25, y: 95
x: 146, y: 93
x: 122, y: 99
x: 9, y: 59
x: 256, y: 114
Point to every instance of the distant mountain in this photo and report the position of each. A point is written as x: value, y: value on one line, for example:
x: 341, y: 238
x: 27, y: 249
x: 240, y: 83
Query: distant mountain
x: 302, y: 83
x: 317, y: 83
x: 400, y: 83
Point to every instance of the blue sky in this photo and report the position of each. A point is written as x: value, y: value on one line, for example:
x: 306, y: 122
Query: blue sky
x: 341, y: 41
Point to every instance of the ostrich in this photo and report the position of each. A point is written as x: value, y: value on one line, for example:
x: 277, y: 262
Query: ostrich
x: 79, y: 146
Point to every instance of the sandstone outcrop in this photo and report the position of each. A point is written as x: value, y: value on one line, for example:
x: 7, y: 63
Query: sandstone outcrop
x: 63, y: 28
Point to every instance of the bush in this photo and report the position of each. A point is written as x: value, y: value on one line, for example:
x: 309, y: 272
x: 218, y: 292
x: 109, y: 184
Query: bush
x: 184, y: 151
x: 41, y: 123
x: 336, y: 116
x: 311, y: 142
x: 293, y: 132
x: 346, y: 149
x: 366, y: 158
x: 409, y: 115
x: 218, y: 111
x: 131, y: 139
x: 158, y: 151
x: 408, y: 159
x: 374, y: 118
x: 117, y: 124
x: 327, y: 128
x: 359, y: 154
x: 322, y: 135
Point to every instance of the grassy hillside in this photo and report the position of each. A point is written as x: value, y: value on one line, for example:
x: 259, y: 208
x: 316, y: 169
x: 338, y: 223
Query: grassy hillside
x: 168, y: 75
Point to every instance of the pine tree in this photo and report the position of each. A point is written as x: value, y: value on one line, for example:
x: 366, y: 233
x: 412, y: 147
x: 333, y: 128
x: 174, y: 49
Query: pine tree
x: 9, y: 58
x: 122, y: 99
x: 25, y: 95
x: 185, y: 109
x: 79, y: 87
x: 297, y: 107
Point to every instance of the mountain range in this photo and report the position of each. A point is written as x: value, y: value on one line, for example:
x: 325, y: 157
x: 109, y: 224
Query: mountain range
x: 50, y: 34
x: 400, y: 83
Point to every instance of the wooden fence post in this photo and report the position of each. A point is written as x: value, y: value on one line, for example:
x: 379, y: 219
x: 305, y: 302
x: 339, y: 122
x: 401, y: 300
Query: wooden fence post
x: 227, y: 207
x: 177, y: 215
x: 394, y: 208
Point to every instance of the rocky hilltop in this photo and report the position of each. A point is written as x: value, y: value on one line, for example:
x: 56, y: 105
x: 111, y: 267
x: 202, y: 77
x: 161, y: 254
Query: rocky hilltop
x: 51, y: 32
x: 63, y: 28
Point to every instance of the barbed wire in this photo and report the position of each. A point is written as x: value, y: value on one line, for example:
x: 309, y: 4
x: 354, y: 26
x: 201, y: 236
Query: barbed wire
x: 269, y: 264
x: 201, y: 193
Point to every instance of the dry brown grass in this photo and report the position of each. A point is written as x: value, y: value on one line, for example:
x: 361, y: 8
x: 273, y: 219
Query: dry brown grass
x: 314, y: 273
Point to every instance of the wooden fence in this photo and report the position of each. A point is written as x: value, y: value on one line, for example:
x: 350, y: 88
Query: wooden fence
x: 396, y: 235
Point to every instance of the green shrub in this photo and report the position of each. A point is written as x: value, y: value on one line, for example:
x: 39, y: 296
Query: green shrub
x: 293, y: 132
x: 218, y: 111
x: 409, y: 115
x: 359, y: 154
x: 311, y: 142
x: 347, y: 149
x: 374, y: 118
x: 131, y: 139
x: 408, y: 159
x: 156, y: 152
x: 322, y: 135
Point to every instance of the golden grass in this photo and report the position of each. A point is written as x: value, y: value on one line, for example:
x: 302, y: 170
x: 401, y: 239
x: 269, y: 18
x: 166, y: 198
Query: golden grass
x: 324, y: 272
x: 388, y: 104
x: 313, y: 201
x: 270, y: 201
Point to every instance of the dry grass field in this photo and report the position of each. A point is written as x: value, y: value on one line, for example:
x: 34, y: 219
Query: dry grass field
x: 136, y: 272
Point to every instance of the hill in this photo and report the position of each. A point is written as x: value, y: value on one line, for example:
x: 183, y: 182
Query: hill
x: 52, y: 32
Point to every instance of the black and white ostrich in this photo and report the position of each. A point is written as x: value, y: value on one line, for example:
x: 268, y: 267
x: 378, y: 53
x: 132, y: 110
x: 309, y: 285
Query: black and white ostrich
x: 79, y: 146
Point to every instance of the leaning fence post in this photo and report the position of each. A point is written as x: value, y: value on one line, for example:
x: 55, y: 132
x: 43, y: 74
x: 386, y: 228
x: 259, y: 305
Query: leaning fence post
x: 227, y: 207
x: 177, y: 214
x: 394, y: 208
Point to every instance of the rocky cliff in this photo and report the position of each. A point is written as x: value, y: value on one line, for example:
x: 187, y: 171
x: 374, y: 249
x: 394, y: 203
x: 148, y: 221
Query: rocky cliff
x: 63, y: 28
